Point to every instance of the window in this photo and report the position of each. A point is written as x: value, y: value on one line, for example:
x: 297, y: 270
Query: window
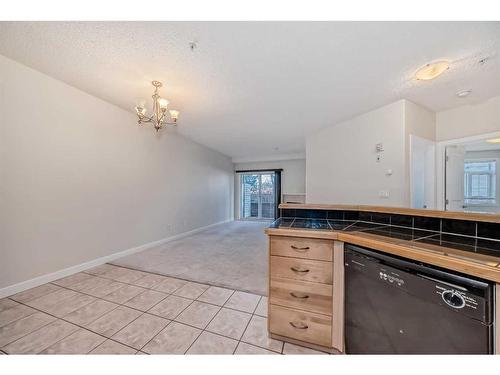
x: 257, y: 195
x: 480, y: 182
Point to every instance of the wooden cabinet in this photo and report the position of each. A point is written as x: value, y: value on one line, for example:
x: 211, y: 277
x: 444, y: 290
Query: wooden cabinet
x: 305, y: 302
x: 301, y: 325
x: 301, y: 295
x: 304, y: 248
x: 316, y: 271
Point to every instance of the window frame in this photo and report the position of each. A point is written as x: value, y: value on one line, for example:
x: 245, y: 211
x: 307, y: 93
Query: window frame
x: 474, y: 201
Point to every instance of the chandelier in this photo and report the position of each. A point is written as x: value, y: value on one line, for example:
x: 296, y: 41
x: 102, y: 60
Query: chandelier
x: 160, y: 117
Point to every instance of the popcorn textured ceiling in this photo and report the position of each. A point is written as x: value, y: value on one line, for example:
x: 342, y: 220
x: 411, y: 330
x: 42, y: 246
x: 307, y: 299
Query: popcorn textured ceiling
x: 250, y: 89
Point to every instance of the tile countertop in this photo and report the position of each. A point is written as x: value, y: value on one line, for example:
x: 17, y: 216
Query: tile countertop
x: 469, y: 255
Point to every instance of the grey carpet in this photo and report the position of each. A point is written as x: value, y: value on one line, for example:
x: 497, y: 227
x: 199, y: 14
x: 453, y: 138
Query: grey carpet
x: 232, y: 255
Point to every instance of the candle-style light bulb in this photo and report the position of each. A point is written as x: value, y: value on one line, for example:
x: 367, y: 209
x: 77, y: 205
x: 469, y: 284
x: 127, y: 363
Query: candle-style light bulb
x: 163, y: 103
x: 174, y: 115
x: 141, y: 111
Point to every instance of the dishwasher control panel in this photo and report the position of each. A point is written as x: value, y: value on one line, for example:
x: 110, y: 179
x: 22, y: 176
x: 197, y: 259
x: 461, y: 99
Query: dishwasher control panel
x: 391, y: 277
x: 455, y: 298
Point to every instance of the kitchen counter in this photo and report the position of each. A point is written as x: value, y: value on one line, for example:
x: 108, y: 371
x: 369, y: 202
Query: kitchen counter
x: 306, y: 260
x: 470, y: 255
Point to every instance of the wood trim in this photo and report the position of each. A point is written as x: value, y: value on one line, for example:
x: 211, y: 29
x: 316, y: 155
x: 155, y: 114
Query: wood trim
x: 497, y: 318
x: 338, y: 297
x: 441, y: 259
x: 486, y: 217
x: 268, y: 284
x: 305, y: 344
x: 304, y: 233
x: 469, y: 263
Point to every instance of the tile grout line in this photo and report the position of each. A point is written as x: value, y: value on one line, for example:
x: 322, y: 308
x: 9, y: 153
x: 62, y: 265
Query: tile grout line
x: 168, y: 276
x: 121, y: 329
x: 248, y: 323
x: 83, y: 327
x: 176, y: 321
x: 256, y: 345
x: 21, y: 317
x: 67, y: 321
x: 218, y: 334
x: 170, y: 321
x: 57, y: 342
x: 171, y: 293
x: 203, y: 330
x: 68, y: 287
x: 147, y: 312
x: 262, y: 347
x: 10, y: 342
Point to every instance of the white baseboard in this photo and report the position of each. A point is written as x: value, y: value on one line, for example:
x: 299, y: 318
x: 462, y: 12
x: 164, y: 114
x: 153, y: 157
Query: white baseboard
x: 28, y: 284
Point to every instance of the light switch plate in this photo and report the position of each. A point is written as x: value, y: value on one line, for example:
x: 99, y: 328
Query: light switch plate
x: 383, y: 194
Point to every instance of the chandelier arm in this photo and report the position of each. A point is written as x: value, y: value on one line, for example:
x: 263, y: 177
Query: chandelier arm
x: 162, y: 117
x: 146, y: 119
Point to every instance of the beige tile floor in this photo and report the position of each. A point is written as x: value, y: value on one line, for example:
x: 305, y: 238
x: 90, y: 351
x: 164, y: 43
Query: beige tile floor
x: 116, y: 310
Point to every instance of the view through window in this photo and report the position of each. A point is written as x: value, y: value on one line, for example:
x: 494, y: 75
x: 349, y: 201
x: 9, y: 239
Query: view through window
x: 257, y: 199
x: 480, y: 182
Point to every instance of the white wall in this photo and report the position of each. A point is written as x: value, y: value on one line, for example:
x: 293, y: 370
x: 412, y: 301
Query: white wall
x: 293, y: 176
x: 469, y: 120
x: 341, y: 164
x: 420, y: 121
x: 80, y: 180
x: 341, y: 160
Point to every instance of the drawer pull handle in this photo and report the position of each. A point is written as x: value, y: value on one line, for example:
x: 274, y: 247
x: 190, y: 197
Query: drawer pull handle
x: 302, y: 296
x: 301, y: 270
x: 299, y: 326
x: 299, y: 248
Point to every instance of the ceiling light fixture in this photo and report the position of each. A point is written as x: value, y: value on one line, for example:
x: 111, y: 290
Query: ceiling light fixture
x: 463, y: 93
x: 432, y: 70
x: 160, y: 117
x: 494, y: 140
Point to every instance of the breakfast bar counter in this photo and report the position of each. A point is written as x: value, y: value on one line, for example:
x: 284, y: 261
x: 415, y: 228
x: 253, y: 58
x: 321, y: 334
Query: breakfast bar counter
x: 306, y: 260
x: 456, y: 253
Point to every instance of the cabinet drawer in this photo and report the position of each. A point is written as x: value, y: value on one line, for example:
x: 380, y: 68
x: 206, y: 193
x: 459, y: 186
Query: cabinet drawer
x: 301, y: 269
x: 306, y: 248
x: 302, y: 295
x: 300, y: 325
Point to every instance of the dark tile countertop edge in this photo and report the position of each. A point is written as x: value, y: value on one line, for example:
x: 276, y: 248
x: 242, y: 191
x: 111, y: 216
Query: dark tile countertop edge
x: 408, y: 236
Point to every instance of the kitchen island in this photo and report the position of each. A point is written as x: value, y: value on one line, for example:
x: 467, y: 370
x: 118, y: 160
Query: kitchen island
x: 306, y: 258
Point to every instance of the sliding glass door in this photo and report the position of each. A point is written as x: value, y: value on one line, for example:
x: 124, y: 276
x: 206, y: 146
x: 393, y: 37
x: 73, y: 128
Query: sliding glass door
x: 257, y: 195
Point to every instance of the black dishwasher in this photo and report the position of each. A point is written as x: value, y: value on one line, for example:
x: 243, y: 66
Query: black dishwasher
x: 395, y: 306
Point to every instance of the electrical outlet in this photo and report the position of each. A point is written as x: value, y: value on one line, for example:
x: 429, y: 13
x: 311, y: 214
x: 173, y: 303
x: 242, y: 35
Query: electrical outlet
x: 383, y: 194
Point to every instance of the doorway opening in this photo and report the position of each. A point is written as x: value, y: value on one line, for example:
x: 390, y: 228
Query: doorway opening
x: 471, y: 177
x: 422, y: 173
x: 259, y: 194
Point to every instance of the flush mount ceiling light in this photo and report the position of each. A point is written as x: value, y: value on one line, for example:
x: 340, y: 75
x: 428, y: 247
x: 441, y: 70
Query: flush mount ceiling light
x: 160, y: 117
x: 494, y: 140
x: 463, y: 93
x: 432, y: 70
